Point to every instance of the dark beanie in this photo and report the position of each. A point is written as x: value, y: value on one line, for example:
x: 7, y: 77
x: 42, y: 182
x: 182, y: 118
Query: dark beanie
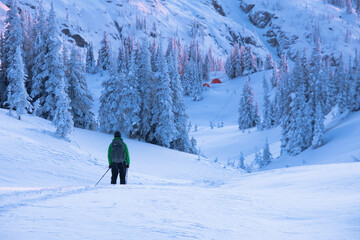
x: 117, y: 134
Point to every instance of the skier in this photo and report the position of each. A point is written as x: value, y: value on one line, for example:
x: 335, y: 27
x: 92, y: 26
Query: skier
x: 119, y: 160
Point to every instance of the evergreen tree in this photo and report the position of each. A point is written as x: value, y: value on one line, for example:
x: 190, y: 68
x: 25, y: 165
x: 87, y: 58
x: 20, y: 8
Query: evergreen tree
x: 18, y: 98
x: 355, y: 97
x: 267, y: 156
x: 80, y: 97
x: 248, y: 115
x: 162, y: 116
x: 110, y: 117
x: 13, y: 38
x: 146, y: 90
x: 181, y: 140
x: 241, y: 164
x: 104, y: 53
x: 269, y: 63
x: 39, y: 51
x: 2, y: 70
x: 90, y: 59
x: 131, y: 100
x: 268, y: 109
x: 62, y: 116
x: 341, y: 89
x: 54, y: 68
x: 318, y: 126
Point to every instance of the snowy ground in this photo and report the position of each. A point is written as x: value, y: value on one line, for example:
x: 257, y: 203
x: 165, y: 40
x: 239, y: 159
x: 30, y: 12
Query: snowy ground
x: 47, y: 184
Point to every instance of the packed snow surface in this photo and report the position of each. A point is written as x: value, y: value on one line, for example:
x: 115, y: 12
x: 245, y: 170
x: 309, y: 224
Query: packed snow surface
x: 47, y: 191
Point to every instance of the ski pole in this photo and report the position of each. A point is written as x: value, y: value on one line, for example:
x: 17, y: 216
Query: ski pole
x: 102, y: 176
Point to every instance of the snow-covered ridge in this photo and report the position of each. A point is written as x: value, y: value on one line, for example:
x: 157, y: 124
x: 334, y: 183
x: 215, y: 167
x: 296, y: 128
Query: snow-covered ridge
x: 268, y: 26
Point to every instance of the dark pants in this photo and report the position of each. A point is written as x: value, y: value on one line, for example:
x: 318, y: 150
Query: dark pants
x: 118, y: 168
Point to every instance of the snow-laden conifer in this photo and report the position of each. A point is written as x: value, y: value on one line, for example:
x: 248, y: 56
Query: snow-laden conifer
x: 248, y: 112
x: 268, y: 110
x: 241, y: 164
x: 109, y: 116
x: 162, y: 115
x: 81, y: 101
x: 104, y: 53
x: 39, y: 51
x: 18, y: 99
x: 90, y: 59
x: 13, y: 33
x: 131, y: 100
x: 62, y: 117
x: 54, y: 68
x: 146, y: 90
x: 267, y: 156
x: 181, y: 139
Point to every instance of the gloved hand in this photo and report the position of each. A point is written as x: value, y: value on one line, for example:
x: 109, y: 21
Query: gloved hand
x: 109, y: 166
x: 127, y: 166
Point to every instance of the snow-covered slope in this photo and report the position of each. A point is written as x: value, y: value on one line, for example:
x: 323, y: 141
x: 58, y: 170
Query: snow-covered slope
x: 277, y: 27
x: 47, y: 192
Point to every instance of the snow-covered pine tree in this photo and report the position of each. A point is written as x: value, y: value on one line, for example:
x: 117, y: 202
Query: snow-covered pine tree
x: 268, y: 109
x: 267, y: 156
x: 241, y: 164
x: 162, y: 121
x: 340, y: 88
x: 355, y: 98
x: 27, y: 24
x: 258, y: 159
x: 275, y: 76
x: 2, y: 70
x: 146, y: 90
x: 13, y: 37
x: 296, y: 123
x: 189, y: 77
x: 62, y: 117
x: 18, y: 98
x: 181, y: 140
x: 81, y: 101
x: 110, y: 117
x: 206, y: 69
x: 318, y: 95
x: 250, y: 61
x: 131, y: 100
x: 54, y: 68
x: 318, y: 126
x: 39, y: 51
x: 197, y: 89
x: 104, y: 53
x: 248, y: 115
x: 269, y: 62
x: 90, y: 59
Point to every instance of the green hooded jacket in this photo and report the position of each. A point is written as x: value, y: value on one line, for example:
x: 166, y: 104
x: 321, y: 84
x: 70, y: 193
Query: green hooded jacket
x: 127, y: 157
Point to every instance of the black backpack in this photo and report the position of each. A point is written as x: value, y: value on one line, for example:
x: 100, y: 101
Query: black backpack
x: 117, y: 150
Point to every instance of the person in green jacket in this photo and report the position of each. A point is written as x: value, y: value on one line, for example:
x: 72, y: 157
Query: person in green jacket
x: 119, y: 160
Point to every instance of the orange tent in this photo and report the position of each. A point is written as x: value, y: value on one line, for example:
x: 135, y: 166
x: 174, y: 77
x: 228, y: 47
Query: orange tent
x: 215, y: 80
x: 206, y: 85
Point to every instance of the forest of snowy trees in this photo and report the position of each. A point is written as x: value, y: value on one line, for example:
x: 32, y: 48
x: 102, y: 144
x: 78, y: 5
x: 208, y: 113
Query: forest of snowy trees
x: 143, y: 95
x: 37, y: 76
x: 44, y: 74
x: 303, y: 97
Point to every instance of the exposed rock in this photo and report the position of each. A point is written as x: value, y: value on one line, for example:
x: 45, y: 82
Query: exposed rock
x: 246, y: 7
x: 260, y: 18
x: 218, y: 8
x: 78, y: 39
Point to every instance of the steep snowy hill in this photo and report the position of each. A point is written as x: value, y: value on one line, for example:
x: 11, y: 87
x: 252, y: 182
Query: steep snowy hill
x: 277, y: 27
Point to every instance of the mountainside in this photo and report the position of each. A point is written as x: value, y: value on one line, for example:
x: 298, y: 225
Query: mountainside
x: 267, y: 26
